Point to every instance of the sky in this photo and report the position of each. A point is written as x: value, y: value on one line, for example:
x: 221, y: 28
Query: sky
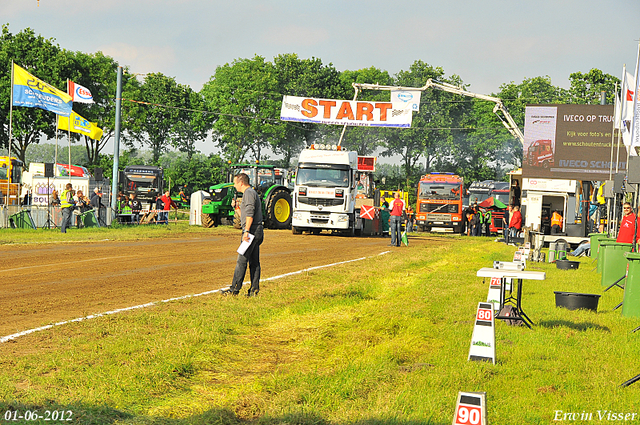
x: 486, y: 43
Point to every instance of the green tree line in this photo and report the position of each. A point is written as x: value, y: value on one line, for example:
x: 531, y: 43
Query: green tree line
x: 239, y: 109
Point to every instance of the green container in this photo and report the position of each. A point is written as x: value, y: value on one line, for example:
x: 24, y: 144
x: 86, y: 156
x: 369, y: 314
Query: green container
x: 594, y: 240
x: 89, y: 219
x: 599, y: 251
x: 22, y: 220
x: 631, y: 300
x: 614, y: 262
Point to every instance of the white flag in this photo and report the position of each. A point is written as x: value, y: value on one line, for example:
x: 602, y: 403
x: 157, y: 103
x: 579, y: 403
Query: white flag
x: 79, y: 93
x: 623, y: 122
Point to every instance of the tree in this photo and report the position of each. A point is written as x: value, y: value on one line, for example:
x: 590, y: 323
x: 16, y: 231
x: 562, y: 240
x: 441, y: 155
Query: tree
x: 196, y: 173
x: 245, y: 100
x: 98, y: 73
x: 163, y: 118
x: 429, y: 130
x: 366, y: 140
x: 309, y: 78
x: 586, y: 88
x: 46, y: 61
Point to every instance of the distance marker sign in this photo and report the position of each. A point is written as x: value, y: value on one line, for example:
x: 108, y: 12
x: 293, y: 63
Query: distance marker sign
x: 483, y: 340
x: 471, y: 409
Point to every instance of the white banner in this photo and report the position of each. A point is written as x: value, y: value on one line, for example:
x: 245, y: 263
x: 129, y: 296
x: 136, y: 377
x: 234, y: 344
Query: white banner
x: 341, y: 112
x: 411, y: 98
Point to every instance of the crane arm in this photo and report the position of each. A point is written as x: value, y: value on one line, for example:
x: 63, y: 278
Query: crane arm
x: 506, y: 118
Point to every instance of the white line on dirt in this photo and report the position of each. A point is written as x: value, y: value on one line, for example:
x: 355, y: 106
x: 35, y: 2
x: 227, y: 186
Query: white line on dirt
x: 151, y: 304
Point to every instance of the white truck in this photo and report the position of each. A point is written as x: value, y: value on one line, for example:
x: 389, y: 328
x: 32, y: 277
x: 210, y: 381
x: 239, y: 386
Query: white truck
x: 324, y: 196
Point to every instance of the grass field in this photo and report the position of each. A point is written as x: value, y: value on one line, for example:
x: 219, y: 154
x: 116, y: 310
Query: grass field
x: 382, y: 341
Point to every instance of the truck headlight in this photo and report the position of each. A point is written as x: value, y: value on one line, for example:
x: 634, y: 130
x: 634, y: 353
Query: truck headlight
x: 297, y: 216
x: 343, y: 218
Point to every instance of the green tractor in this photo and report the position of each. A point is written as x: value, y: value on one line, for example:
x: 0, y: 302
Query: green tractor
x: 276, y: 198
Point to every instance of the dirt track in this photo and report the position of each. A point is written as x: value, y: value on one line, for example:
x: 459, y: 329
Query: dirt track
x: 44, y: 284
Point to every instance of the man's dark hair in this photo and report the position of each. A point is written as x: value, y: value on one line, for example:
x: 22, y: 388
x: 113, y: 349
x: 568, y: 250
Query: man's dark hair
x: 242, y: 178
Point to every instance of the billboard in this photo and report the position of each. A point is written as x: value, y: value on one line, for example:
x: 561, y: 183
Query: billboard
x: 570, y: 142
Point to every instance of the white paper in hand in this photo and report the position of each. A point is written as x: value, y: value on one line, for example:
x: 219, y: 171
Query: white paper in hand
x: 245, y: 245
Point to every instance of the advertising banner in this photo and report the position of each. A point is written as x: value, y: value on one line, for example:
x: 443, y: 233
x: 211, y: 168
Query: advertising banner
x: 341, y: 112
x: 32, y: 92
x: 569, y: 142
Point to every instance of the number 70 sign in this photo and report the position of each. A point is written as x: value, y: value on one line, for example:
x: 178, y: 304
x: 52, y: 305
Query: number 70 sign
x: 471, y: 409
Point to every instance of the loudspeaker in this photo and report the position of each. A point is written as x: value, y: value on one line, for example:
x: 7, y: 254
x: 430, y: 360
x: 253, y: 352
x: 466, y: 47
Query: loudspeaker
x: 121, y: 178
x: 97, y: 174
x: 633, y: 170
x: 48, y: 169
x: 618, y: 183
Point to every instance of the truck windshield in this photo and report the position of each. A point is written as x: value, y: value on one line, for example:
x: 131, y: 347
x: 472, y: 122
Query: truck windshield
x: 446, y: 191
x: 322, y: 177
x: 477, y: 197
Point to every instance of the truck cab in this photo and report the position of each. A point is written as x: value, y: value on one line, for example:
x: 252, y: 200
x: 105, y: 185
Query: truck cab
x: 324, y: 196
x: 439, y: 202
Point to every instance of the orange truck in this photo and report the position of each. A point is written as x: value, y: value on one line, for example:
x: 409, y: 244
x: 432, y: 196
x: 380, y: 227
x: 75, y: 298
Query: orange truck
x: 439, y: 202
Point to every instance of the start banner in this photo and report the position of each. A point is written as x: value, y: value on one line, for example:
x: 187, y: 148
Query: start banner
x: 349, y: 112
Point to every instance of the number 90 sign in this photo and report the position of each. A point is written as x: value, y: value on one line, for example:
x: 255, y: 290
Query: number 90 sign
x: 468, y: 415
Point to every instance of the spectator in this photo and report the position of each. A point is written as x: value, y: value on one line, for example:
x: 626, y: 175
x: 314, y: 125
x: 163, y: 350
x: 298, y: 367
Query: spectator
x: 580, y: 250
x: 96, y: 199
x: 515, y: 190
x: 167, y: 203
x: 397, y: 211
x: 136, y: 206
x: 466, y: 217
x: 474, y: 221
x: 55, y: 199
x: 516, y: 222
x: 505, y: 224
x: 627, y: 225
x: 67, y: 205
x: 384, y: 218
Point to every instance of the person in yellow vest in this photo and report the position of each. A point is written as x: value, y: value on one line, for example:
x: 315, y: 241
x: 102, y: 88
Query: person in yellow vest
x: 556, y: 223
x: 66, y: 205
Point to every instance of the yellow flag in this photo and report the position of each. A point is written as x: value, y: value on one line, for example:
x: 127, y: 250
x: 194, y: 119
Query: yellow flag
x: 77, y: 124
x: 32, y: 92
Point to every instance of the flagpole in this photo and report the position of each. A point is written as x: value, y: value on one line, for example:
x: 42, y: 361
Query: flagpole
x: 10, y: 135
x: 55, y: 159
x: 613, y: 133
x: 636, y: 114
x: 69, y: 138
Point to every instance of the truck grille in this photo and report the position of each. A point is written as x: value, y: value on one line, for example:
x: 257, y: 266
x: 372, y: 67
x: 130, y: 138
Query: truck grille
x: 316, y: 202
x: 447, y: 209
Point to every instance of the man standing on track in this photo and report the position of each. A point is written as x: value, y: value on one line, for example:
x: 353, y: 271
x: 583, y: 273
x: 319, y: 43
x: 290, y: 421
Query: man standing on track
x: 397, y: 210
x: 66, y: 204
x: 251, y: 219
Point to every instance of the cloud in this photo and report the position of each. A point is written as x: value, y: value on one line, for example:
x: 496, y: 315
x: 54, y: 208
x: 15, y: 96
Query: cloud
x: 296, y: 36
x: 142, y: 59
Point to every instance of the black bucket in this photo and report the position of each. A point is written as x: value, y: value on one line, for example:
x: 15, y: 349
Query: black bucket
x: 575, y: 301
x: 567, y: 265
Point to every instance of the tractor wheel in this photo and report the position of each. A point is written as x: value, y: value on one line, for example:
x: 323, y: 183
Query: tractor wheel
x: 237, y: 221
x: 279, y: 210
x: 209, y: 220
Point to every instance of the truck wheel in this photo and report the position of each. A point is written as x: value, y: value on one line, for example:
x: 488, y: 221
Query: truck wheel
x: 237, y: 222
x: 296, y: 230
x: 279, y: 210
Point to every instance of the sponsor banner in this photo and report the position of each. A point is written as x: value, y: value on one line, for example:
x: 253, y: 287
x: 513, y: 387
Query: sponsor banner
x: 77, y: 124
x: 80, y: 94
x: 569, y: 142
x: 32, y: 92
x: 410, y: 98
x: 341, y: 112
